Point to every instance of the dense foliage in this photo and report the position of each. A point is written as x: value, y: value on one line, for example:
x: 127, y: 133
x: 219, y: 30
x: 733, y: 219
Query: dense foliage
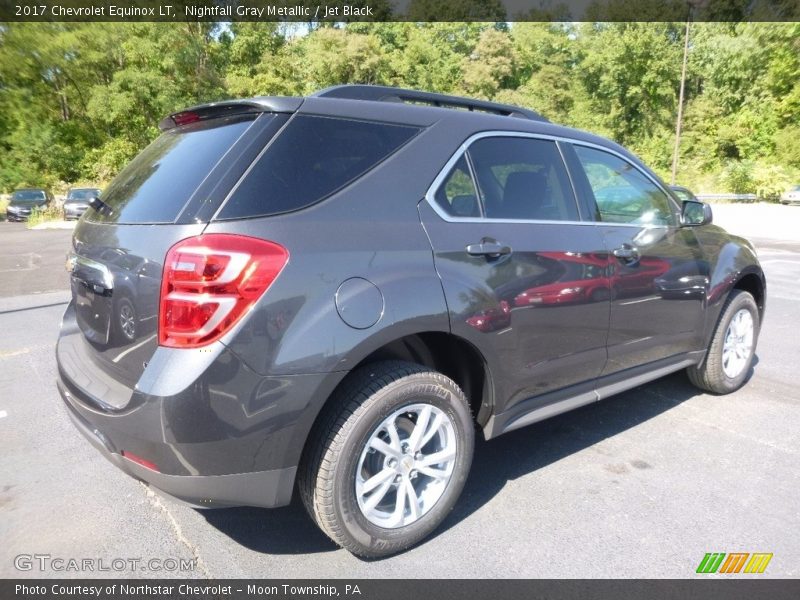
x: 77, y: 101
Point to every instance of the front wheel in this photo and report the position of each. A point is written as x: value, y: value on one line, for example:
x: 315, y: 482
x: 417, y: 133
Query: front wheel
x: 730, y: 354
x: 389, y: 459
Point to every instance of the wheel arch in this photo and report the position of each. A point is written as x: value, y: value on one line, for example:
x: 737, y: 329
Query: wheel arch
x: 452, y: 356
x: 449, y: 354
x: 753, y: 283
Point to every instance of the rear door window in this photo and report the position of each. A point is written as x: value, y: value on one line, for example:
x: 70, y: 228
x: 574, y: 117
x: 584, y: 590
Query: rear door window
x: 312, y: 158
x: 157, y: 184
x: 523, y: 178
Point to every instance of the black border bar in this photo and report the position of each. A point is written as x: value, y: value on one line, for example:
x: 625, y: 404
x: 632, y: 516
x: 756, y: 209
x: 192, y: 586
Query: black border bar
x: 705, y: 588
x: 337, y: 11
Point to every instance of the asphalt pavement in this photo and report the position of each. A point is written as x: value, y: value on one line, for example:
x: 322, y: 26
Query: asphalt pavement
x: 640, y: 485
x: 32, y: 262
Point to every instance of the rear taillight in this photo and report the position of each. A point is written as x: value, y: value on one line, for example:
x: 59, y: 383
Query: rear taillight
x: 210, y: 282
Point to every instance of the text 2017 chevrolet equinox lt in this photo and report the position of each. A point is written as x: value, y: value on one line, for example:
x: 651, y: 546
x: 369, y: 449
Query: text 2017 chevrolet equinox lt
x: 335, y: 292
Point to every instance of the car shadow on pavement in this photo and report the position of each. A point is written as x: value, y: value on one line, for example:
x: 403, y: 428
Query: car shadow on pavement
x: 286, y: 530
x: 289, y: 530
x: 531, y: 448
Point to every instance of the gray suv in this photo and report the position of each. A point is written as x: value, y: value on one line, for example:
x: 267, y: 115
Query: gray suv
x: 334, y: 293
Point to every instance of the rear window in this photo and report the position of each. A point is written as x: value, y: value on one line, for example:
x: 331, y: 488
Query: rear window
x: 156, y: 185
x: 310, y: 160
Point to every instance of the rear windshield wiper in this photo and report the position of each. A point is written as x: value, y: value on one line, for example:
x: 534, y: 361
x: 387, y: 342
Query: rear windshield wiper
x: 102, y: 207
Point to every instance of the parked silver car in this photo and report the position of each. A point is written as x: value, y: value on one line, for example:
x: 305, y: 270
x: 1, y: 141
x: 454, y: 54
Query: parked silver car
x: 77, y: 201
x: 792, y: 195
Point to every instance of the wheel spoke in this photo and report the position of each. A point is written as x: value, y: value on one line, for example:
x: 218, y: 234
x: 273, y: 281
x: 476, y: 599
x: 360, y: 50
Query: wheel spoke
x: 435, y: 473
x: 376, y: 480
x: 437, y: 423
x: 384, y: 448
x: 442, y: 456
x: 376, y: 497
x: 413, y: 500
x: 423, y: 417
x: 399, y: 514
x: 394, y: 438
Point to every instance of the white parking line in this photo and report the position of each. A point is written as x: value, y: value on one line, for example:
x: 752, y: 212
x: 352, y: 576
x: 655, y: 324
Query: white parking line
x: 132, y: 348
x: 14, y: 353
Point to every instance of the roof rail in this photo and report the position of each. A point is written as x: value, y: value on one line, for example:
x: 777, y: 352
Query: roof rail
x: 382, y: 93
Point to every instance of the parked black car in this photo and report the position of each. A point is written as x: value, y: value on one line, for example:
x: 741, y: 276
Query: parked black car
x: 25, y: 200
x: 77, y: 201
x: 335, y: 291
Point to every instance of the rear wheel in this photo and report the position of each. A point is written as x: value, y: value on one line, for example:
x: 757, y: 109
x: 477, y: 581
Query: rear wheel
x: 125, y: 321
x: 389, y: 459
x: 730, y: 354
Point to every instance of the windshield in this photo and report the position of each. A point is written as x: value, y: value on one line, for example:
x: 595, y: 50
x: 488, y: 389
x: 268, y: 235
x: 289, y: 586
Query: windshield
x: 796, y: 188
x: 87, y: 194
x: 27, y: 196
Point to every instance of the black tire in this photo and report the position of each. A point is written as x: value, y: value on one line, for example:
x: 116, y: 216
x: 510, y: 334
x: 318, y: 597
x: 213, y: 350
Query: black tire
x: 328, y: 470
x: 710, y: 375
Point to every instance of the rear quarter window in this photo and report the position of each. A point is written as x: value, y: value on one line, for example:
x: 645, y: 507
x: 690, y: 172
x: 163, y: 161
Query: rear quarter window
x: 312, y: 158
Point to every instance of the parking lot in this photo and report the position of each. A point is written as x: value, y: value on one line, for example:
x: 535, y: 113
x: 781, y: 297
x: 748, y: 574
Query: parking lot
x: 641, y: 485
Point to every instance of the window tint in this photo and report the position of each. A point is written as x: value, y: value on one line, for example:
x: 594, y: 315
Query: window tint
x: 622, y: 192
x: 156, y: 185
x: 457, y: 195
x: 521, y: 178
x: 311, y: 159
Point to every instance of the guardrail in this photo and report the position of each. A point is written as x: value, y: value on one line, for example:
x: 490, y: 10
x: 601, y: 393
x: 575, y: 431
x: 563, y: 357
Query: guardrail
x: 730, y: 197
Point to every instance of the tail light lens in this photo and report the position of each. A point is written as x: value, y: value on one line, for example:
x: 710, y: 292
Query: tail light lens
x: 210, y: 282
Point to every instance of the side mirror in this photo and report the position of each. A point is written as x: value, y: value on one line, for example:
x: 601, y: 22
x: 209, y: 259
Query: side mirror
x: 696, y: 213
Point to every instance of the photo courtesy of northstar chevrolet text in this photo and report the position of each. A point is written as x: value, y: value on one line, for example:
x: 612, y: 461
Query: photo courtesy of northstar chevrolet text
x: 372, y: 298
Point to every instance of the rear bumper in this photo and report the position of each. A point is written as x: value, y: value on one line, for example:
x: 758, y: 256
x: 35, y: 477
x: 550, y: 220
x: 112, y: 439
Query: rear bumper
x: 218, y: 433
x: 267, y: 489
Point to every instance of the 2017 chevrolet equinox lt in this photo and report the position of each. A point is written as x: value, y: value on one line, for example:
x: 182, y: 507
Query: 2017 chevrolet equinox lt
x: 335, y: 292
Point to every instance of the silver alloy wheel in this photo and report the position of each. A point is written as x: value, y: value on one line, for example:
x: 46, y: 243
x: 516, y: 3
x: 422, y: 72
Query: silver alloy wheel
x: 127, y: 321
x: 405, y: 466
x: 738, y: 344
